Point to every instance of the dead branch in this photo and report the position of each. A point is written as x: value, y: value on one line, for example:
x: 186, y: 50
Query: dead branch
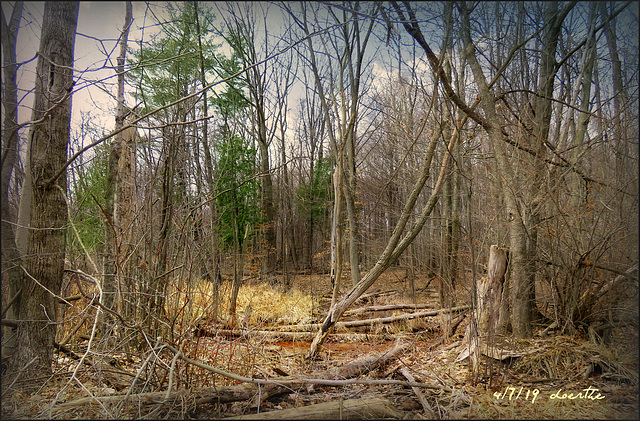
x: 10, y: 303
x: 288, y: 336
x: 377, y: 294
x: 428, y: 411
x: 362, y: 408
x: 364, y: 365
x: 386, y: 308
x: 66, y: 300
x: 379, y: 320
x: 63, y: 349
x: 252, y: 388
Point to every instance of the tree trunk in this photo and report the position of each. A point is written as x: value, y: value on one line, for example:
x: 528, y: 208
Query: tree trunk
x: 395, y: 246
x: 523, y: 279
x: 158, y: 283
x: 118, y: 160
x: 211, y: 268
x: 336, y: 231
x: 484, y: 325
x: 490, y: 292
x: 10, y: 254
x: 238, y: 270
x: 523, y: 212
x: 44, y: 261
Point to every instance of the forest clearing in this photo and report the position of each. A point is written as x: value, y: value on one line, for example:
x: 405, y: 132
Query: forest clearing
x: 320, y: 210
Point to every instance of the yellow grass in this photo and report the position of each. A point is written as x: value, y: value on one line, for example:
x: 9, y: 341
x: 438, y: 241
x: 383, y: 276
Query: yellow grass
x: 267, y: 303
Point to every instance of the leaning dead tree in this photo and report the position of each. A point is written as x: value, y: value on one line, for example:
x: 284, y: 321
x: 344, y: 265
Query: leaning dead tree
x: 398, y: 242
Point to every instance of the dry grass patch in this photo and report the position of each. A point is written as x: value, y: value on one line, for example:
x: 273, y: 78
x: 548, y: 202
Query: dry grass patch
x: 268, y: 304
x: 566, y: 358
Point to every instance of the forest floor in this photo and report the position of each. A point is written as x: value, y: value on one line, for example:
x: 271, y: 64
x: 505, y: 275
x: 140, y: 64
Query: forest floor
x: 551, y: 377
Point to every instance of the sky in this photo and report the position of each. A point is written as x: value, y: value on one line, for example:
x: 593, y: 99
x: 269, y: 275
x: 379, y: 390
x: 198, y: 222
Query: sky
x: 97, y: 20
x: 100, y: 20
x: 96, y: 48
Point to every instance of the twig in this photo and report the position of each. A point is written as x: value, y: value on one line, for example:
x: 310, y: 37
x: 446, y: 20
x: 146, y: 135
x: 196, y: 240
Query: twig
x: 146, y: 361
x: 10, y: 303
x: 22, y: 370
x: 428, y: 411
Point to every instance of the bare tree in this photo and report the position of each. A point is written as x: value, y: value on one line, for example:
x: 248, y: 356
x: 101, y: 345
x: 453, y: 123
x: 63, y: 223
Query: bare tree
x: 120, y: 180
x: 49, y: 136
x: 10, y: 253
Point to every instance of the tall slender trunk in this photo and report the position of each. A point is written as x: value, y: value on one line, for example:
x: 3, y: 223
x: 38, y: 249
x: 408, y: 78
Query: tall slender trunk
x: 11, y: 256
x: 44, y: 260
x: 336, y: 230
x: 623, y: 139
x: 119, y: 160
x: 212, y: 257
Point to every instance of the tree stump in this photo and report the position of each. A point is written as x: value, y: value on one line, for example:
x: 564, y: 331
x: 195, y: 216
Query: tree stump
x: 483, y: 325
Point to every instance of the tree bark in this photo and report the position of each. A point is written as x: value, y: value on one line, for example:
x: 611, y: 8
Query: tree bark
x: 11, y: 256
x: 44, y: 261
x: 118, y: 174
x: 483, y: 328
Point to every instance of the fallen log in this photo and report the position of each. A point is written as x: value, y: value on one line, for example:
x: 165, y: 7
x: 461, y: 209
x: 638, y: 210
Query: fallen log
x: 362, y: 408
x: 253, y: 390
x: 375, y: 294
x: 364, y: 365
x: 371, y: 322
x: 289, y: 336
x: 387, y: 307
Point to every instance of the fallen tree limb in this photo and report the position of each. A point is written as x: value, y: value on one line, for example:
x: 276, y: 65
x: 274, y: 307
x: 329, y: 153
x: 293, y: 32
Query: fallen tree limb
x: 386, y: 308
x: 254, y: 390
x: 362, y: 408
x: 627, y: 274
x: 428, y: 411
x: 289, y: 336
x: 364, y: 365
x: 63, y: 349
x: 371, y: 322
x: 378, y: 294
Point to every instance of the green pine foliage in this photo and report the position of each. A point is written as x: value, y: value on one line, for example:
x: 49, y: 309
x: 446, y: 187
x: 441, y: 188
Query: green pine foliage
x: 163, y: 69
x: 314, y: 197
x: 238, y: 187
x: 88, y: 197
